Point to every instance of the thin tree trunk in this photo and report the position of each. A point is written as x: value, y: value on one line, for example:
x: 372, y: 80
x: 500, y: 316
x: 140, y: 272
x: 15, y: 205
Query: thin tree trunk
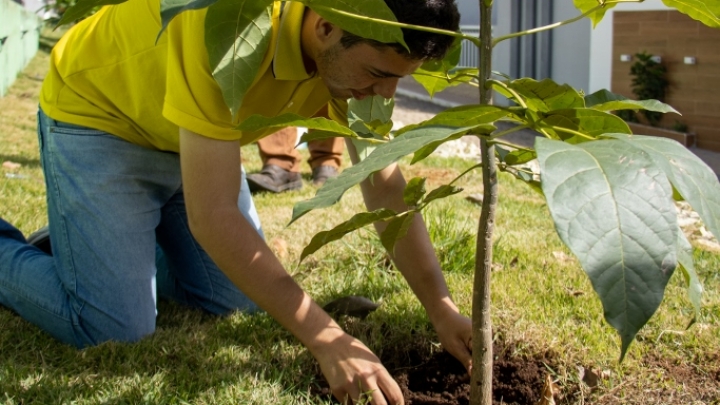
x: 481, y: 380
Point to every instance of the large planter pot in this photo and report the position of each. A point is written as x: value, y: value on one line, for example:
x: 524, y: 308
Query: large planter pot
x: 685, y: 138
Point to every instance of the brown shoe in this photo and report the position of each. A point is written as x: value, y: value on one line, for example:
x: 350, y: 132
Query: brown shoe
x: 275, y: 179
x: 320, y: 174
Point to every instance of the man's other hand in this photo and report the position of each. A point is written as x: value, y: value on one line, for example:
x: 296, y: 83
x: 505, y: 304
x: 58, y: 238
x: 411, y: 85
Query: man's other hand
x: 354, y: 372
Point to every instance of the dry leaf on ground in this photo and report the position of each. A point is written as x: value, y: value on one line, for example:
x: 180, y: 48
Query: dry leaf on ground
x: 562, y: 257
x: 590, y: 377
x: 352, y: 305
x: 475, y: 198
x: 11, y: 165
x: 549, y: 391
x: 280, y: 247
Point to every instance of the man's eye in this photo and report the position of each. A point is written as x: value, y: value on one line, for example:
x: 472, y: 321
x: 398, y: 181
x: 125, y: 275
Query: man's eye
x: 376, y: 75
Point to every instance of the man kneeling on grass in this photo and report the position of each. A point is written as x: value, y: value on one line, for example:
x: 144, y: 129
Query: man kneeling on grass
x: 138, y: 149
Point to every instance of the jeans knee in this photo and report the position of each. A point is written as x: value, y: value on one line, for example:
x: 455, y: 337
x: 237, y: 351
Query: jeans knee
x: 92, y: 332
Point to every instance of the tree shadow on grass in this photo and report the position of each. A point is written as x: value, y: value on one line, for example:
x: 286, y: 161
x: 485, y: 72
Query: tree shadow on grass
x: 190, y: 355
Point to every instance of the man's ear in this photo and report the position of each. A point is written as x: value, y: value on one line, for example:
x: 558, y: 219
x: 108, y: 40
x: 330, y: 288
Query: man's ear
x: 326, y: 32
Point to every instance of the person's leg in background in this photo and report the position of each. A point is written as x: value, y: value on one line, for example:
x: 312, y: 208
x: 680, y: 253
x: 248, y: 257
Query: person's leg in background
x: 325, y: 158
x: 281, y: 163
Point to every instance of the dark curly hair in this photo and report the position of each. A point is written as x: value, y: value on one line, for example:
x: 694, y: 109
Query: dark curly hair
x: 442, y: 14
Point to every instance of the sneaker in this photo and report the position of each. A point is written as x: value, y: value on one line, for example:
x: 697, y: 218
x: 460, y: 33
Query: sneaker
x: 320, y: 174
x: 275, y: 179
x: 41, y: 239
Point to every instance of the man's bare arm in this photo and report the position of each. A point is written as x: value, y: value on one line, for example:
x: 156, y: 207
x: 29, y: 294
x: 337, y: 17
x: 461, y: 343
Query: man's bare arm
x: 415, y: 257
x: 211, y: 179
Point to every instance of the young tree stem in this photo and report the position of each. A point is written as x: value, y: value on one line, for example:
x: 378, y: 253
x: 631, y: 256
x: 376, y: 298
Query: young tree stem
x: 482, y: 350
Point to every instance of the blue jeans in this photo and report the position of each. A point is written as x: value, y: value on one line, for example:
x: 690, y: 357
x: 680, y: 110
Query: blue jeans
x: 110, y: 203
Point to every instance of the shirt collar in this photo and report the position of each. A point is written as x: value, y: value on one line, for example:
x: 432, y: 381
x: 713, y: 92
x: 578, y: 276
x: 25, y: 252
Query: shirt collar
x: 288, y: 61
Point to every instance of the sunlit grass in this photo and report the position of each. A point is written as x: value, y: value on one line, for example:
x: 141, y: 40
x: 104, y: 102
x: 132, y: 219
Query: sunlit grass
x: 541, y: 298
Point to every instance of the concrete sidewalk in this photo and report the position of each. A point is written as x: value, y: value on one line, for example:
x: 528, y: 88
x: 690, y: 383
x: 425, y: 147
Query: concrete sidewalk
x: 466, y: 94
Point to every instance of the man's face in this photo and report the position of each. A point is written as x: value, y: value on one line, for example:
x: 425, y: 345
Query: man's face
x: 363, y: 70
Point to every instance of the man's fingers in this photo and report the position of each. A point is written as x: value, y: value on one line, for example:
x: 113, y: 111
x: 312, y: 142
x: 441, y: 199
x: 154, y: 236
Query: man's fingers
x: 342, y: 396
x: 391, y: 391
x: 465, y: 357
x: 377, y: 397
x: 383, y: 391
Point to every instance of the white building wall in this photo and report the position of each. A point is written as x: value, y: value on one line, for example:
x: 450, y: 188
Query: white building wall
x: 469, y: 12
x: 601, y: 43
x: 570, y: 47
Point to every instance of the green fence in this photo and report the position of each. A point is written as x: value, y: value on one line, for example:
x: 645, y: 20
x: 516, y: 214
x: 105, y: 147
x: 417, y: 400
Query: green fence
x: 19, y: 36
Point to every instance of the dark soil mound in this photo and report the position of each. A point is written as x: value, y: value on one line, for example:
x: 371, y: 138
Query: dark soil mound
x: 439, y: 379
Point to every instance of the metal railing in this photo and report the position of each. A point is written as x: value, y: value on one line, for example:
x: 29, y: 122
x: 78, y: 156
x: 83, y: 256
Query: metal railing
x: 469, y: 53
x: 19, y: 33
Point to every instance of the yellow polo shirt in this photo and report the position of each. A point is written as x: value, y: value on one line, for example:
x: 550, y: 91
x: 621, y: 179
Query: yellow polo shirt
x: 109, y: 73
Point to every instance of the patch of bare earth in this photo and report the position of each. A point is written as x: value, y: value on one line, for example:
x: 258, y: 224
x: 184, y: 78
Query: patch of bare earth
x: 437, y: 378
x: 429, y: 377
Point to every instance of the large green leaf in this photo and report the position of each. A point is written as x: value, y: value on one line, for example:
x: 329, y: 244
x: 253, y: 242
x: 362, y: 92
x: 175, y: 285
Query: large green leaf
x: 705, y: 11
x: 434, y: 83
x: 464, y: 116
x: 685, y: 262
x: 428, y: 149
x: 356, y: 222
x: 237, y: 35
x: 696, y: 182
x: 587, y: 121
x: 381, y: 157
x: 375, y: 108
x: 396, y: 229
x: 437, y: 75
x: 257, y: 122
x: 352, y: 16
x: 82, y: 8
x: 519, y: 156
x: 376, y: 129
x: 169, y: 9
x: 361, y: 112
x: 603, y: 100
x: 546, y: 95
x: 443, y: 191
x: 613, y: 208
x: 370, y: 117
x: 587, y: 5
x: 414, y: 191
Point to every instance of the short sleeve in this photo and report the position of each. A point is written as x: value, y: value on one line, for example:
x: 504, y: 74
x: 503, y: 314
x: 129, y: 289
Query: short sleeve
x: 193, y: 99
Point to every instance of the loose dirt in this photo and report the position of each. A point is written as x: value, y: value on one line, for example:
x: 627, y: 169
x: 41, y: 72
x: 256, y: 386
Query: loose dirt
x: 439, y: 379
x: 436, y: 378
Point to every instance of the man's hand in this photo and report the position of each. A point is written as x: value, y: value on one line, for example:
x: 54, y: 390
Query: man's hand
x: 354, y: 372
x: 455, y: 333
x: 415, y: 257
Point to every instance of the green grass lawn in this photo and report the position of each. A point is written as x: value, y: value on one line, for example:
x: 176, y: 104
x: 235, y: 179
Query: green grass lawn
x: 543, y: 302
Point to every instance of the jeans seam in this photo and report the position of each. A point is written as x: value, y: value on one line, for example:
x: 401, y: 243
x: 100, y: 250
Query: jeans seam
x: 30, y: 299
x: 63, y: 230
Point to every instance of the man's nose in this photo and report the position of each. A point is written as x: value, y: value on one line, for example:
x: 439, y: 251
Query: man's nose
x: 386, y: 87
